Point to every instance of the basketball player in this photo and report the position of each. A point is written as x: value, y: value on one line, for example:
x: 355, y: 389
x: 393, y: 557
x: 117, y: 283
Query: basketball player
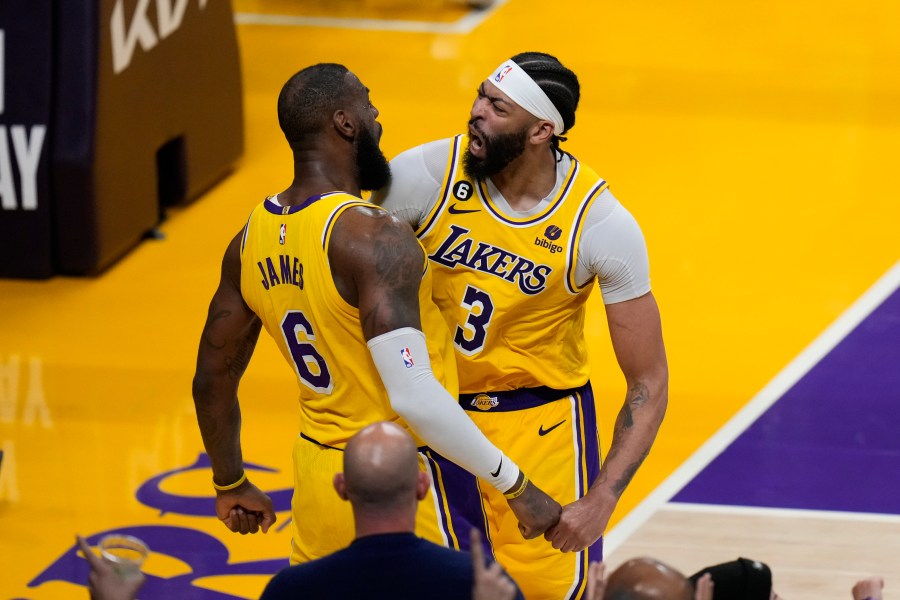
x: 517, y: 231
x: 345, y: 291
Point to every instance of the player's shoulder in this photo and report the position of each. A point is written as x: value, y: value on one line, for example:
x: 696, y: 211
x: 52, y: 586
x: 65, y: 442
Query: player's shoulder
x: 344, y: 206
x: 608, y: 213
x: 427, y: 149
x: 365, y: 214
x: 364, y: 225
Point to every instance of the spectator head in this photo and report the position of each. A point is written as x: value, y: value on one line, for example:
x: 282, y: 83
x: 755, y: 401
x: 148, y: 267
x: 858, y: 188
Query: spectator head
x: 381, y: 472
x: 647, y: 579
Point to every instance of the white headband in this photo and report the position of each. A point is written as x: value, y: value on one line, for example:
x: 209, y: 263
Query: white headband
x: 521, y: 88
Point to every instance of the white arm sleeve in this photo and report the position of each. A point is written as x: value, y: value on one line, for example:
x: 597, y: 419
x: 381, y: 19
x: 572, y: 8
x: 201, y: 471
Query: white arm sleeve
x: 613, y: 249
x: 401, y: 357
x: 415, y: 187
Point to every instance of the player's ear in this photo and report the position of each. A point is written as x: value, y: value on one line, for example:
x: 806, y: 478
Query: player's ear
x: 541, y: 132
x: 343, y: 123
x: 340, y: 485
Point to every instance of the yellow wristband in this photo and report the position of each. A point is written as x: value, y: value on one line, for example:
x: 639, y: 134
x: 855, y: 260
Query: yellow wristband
x: 518, y: 492
x: 231, y: 486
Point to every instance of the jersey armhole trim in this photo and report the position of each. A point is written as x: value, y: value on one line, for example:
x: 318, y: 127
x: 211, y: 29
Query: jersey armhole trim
x: 571, y: 260
x: 331, y: 293
x: 450, y: 174
x: 337, y: 212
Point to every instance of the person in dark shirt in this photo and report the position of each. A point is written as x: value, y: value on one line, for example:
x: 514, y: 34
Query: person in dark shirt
x: 384, y: 485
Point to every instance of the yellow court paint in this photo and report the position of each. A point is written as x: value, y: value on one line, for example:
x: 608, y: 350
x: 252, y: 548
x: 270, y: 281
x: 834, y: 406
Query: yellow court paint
x: 754, y: 143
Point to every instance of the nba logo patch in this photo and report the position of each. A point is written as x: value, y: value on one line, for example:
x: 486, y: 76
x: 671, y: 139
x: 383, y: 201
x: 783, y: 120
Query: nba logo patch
x: 282, y: 234
x: 502, y: 73
x: 407, y: 357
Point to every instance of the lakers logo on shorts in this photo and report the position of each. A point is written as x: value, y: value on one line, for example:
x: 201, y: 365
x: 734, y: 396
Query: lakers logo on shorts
x: 485, y: 402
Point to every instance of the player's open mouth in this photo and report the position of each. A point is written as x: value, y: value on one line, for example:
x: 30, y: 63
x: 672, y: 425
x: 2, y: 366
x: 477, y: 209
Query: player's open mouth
x: 476, y: 142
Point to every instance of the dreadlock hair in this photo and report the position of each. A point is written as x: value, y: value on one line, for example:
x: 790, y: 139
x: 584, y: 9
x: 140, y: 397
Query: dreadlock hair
x: 308, y: 100
x: 559, y: 83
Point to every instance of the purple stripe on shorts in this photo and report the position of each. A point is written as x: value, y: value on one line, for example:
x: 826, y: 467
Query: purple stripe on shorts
x: 439, y: 496
x: 592, y: 442
x: 588, y: 470
x: 831, y: 442
x: 579, y: 447
x: 463, y: 502
x: 581, y: 484
x: 591, y: 454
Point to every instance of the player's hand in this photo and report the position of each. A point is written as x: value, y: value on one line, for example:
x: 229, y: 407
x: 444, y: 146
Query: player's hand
x: 581, y: 524
x: 104, y: 582
x: 245, y: 509
x: 870, y: 587
x: 490, y: 582
x: 535, y: 510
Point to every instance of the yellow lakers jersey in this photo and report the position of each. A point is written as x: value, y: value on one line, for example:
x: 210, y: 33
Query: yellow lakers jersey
x: 286, y: 280
x: 506, y: 285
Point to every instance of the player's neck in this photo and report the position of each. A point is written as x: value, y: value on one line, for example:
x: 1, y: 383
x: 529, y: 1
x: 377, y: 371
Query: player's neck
x: 528, y: 179
x: 315, y: 174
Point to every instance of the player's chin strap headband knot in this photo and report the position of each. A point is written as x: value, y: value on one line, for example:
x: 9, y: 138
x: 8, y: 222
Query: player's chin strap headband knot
x: 521, y: 88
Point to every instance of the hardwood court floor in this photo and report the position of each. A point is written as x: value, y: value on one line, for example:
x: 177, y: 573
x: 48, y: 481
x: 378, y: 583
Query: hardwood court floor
x: 756, y: 145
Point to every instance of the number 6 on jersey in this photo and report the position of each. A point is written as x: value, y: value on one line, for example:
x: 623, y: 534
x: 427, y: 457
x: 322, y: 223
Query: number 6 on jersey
x: 295, y: 326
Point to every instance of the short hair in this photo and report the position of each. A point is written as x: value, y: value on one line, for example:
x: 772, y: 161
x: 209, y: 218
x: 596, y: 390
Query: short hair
x: 558, y: 82
x: 309, y: 98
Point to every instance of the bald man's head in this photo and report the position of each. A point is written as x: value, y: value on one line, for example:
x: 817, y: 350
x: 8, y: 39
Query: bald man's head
x: 381, y: 469
x: 647, y: 579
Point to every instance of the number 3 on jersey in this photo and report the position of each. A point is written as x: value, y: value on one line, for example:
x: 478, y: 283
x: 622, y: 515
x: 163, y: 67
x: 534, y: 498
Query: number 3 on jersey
x: 471, y: 335
x: 299, y: 335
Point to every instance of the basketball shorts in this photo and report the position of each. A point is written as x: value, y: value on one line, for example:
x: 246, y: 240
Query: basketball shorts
x: 552, y: 435
x: 322, y: 523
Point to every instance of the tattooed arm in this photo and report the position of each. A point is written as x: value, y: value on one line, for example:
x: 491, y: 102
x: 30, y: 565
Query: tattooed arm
x: 377, y: 266
x: 636, y: 333
x: 228, y: 340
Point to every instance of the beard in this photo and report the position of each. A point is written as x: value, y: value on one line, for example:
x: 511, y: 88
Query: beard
x: 373, y: 168
x: 499, y: 151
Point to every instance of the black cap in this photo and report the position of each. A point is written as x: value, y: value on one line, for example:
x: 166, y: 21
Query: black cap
x: 741, y: 579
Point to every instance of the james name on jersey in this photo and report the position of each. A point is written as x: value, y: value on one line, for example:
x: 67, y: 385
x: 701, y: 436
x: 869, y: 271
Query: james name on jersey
x: 290, y: 271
